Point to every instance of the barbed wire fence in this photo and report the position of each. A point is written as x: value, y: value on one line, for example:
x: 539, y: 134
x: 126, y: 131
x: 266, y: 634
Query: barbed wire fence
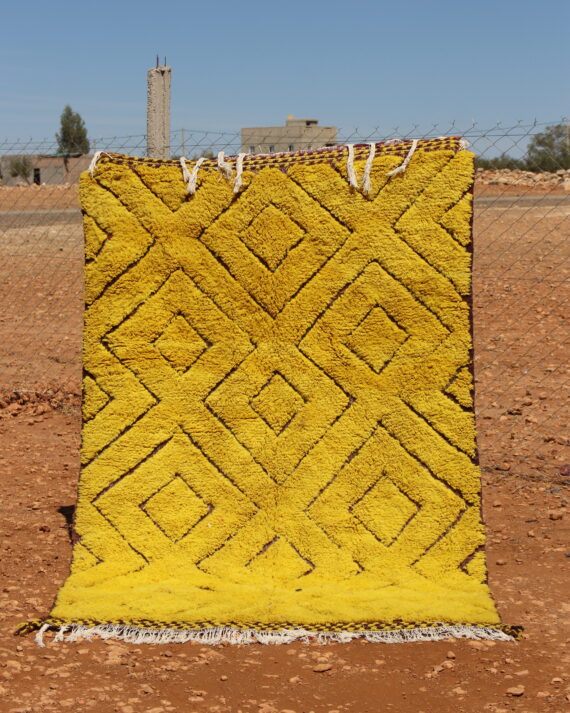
x: 521, y: 276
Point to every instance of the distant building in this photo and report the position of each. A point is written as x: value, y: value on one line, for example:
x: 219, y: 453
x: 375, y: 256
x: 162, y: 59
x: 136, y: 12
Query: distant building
x: 296, y: 135
x: 46, y: 169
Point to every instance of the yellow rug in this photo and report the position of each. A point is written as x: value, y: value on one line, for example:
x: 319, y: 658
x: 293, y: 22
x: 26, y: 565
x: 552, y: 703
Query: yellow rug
x: 278, y: 436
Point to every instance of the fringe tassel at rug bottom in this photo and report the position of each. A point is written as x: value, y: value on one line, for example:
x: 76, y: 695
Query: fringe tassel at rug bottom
x: 228, y: 635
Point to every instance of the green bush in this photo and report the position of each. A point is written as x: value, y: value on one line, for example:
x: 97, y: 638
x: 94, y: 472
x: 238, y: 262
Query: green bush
x: 549, y: 150
x: 502, y: 161
x: 546, y: 151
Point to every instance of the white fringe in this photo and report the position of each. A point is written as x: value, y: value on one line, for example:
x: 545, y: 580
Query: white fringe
x: 402, y: 167
x: 228, y: 635
x: 224, y: 166
x: 350, y: 166
x: 239, y: 171
x: 96, y: 156
x: 40, y: 635
x: 191, y: 178
x: 366, y: 184
x: 464, y: 144
x: 185, y: 171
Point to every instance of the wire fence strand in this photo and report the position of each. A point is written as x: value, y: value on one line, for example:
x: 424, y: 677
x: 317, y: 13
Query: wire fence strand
x: 521, y: 273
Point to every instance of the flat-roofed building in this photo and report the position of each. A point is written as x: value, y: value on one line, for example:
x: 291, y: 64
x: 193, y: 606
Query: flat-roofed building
x: 52, y: 168
x: 296, y: 135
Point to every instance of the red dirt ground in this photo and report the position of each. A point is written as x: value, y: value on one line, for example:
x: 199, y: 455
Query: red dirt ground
x: 529, y: 553
x: 520, y: 318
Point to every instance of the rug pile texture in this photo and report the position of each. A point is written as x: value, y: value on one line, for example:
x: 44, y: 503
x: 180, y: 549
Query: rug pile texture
x: 278, y: 435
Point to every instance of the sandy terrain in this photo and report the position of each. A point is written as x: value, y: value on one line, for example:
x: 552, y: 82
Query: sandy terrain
x: 520, y: 318
x: 528, y: 526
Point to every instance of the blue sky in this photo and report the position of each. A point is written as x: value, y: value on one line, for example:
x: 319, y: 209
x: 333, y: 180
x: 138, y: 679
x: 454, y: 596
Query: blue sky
x: 360, y: 64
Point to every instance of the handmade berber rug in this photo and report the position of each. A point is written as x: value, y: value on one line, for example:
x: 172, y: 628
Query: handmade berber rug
x: 278, y: 433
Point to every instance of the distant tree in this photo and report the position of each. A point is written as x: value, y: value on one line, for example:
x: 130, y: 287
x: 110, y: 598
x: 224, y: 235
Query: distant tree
x: 21, y: 167
x: 72, y: 136
x: 502, y: 161
x: 549, y: 150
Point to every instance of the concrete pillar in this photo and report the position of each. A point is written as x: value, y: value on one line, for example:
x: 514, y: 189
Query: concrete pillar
x: 158, y: 112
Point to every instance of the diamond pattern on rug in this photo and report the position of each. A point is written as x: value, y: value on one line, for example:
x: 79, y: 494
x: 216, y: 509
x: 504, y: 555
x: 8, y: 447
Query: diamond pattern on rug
x: 385, y: 510
x: 180, y: 344
x: 376, y: 339
x: 278, y: 420
x: 277, y: 403
x: 176, y: 509
x: 271, y: 235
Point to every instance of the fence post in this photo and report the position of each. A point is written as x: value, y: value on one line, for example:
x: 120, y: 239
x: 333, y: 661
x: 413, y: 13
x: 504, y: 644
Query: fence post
x: 158, y: 112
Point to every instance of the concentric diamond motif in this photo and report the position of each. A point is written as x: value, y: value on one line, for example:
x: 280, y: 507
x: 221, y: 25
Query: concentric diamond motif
x: 274, y: 238
x: 176, y: 509
x: 180, y: 344
x: 285, y: 391
x: 385, y: 510
x: 271, y: 235
x: 376, y: 339
x: 277, y: 403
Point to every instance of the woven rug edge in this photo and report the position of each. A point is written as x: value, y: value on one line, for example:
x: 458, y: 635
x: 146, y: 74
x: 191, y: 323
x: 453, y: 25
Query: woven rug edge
x: 389, y: 634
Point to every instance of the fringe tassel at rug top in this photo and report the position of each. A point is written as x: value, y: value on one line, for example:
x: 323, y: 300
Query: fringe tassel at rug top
x: 229, y: 635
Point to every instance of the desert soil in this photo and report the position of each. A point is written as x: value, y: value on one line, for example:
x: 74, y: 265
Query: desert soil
x: 520, y: 318
x: 528, y: 551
